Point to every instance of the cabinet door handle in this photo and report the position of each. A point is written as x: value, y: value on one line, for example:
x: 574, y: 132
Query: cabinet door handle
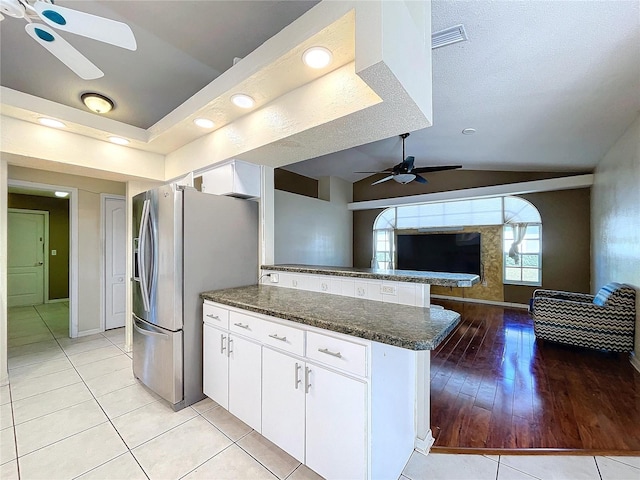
x: 230, y: 349
x: 246, y: 327
x: 307, y: 377
x: 298, y: 367
x: 329, y: 352
x: 276, y: 337
x: 215, y: 317
x: 222, y: 347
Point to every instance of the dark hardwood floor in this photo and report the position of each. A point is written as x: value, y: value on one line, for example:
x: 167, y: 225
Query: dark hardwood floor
x: 495, y: 387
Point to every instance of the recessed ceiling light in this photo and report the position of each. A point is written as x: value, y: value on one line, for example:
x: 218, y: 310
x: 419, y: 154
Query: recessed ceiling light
x: 204, y: 123
x: 61, y: 194
x: 243, y: 101
x: 119, y: 140
x: 468, y: 131
x: 317, y: 57
x: 97, y: 103
x: 50, y: 122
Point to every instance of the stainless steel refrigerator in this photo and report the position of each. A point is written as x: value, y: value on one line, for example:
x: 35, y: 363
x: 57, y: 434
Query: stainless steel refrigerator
x: 185, y: 242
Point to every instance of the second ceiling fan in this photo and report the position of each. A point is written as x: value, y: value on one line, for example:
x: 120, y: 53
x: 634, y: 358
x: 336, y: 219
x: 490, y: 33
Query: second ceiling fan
x: 405, y: 172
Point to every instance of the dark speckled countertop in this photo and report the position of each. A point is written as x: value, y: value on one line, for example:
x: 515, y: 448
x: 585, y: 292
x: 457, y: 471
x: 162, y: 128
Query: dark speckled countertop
x: 412, y: 276
x: 414, y: 328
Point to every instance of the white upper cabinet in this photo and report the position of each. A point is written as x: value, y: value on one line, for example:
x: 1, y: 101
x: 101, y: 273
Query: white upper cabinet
x: 235, y: 178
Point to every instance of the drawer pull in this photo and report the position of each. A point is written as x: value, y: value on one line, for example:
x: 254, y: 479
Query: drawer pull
x: 276, y: 337
x: 215, y: 317
x: 329, y: 352
x: 241, y: 325
x: 298, y: 367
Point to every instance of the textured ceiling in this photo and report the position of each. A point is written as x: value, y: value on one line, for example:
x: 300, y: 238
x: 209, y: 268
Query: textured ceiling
x: 182, y: 47
x: 548, y: 86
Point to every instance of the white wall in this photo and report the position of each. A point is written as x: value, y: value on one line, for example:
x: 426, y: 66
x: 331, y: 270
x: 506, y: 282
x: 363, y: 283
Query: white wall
x: 312, y: 231
x: 615, y: 213
x: 89, y: 241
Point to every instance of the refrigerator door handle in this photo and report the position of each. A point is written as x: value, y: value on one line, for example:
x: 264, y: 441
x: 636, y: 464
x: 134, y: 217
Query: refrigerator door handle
x: 148, y: 333
x: 141, y: 256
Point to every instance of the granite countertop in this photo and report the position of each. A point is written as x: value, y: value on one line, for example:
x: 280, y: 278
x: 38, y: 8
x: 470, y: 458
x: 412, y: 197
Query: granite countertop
x: 413, y: 328
x: 412, y: 276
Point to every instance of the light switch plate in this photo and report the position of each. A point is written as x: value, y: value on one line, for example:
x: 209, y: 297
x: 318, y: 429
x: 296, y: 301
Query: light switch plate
x: 54, y: 253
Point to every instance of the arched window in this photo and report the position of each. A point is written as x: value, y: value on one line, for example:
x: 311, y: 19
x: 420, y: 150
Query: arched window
x: 522, y: 231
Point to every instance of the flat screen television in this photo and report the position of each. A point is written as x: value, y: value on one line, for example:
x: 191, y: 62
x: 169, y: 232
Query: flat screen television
x: 440, y: 252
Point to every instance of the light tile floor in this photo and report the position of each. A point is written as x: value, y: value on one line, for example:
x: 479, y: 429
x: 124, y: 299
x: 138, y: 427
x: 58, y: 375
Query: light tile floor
x: 73, y: 409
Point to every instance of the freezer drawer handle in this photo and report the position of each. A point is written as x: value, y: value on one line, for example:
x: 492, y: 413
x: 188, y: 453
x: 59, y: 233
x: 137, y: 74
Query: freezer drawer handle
x: 329, y: 352
x: 149, y: 333
x: 241, y: 325
x: 276, y: 337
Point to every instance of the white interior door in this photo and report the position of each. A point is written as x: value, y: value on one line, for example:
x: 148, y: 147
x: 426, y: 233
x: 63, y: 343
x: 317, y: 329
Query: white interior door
x: 115, y: 230
x: 25, y: 266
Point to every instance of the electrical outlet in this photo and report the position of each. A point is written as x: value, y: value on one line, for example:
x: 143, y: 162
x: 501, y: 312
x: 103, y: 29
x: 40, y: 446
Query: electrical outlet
x: 54, y: 253
x: 274, y: 278
x: 484, y: 283
x: 388, y: 289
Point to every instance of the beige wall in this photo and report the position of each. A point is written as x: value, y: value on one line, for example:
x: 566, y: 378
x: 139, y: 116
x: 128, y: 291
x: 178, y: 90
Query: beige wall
x: 58, y: 209
x: 89, y: 241
x: 295, y: 183
x: 615, y: 207
x: 314, y: 231
x: 565, y: 225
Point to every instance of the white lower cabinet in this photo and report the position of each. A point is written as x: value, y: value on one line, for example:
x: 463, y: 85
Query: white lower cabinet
x: 283, y: 401
x: 232, y: 368
x: 245, y: 381
x: 336, y: 423
x: 343, y: 407
x: 215, y: 365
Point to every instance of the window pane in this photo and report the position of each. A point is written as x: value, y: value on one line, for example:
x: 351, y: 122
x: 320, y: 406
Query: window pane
x: 530, y: 274
x: 530, y: 260
x: 512, y: 274
x: 530, y: 246
x: 510, y: 262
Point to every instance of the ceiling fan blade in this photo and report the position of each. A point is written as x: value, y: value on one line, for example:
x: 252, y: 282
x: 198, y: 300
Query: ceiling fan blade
x: 87, y: 25
x: 383, y: 180
x: 420, y: 179
x: 435, y: 169
x: 63, y: 50
x: 388, y: 170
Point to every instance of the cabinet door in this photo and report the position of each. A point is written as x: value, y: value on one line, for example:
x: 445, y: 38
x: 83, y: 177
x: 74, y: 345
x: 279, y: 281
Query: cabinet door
x: 215, y: 368
x: 245, y: 381
x: 336, y: 425
x: 283, y: 402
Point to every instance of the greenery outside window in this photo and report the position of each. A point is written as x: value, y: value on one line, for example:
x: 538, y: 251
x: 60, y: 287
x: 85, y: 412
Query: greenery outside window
x: 525, y: 267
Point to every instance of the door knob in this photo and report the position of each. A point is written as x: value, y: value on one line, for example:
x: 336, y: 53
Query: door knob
x: 39, y: 263
x: 120, y: 279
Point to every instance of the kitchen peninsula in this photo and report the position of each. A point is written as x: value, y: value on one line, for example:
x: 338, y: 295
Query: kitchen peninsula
x: 339, y: 381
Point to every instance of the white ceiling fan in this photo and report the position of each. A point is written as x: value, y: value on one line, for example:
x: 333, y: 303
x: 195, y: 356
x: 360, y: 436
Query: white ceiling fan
x: 68, y: 20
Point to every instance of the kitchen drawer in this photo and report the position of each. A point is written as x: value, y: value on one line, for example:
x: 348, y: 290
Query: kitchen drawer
x: 283, y: 337
x: 348, y: 356
x: 246, y: 325
x: 215, y: 315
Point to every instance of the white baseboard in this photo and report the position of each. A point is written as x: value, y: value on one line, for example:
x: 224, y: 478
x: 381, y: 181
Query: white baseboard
x: 58, y: 300
x: 479, y: 300
x: 635, y: 361
x: 423, y: 445
x: 89, y: 332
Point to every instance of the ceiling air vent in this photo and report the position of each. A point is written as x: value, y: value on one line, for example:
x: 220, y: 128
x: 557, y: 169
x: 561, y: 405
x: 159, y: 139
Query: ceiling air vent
x: 448, y: 36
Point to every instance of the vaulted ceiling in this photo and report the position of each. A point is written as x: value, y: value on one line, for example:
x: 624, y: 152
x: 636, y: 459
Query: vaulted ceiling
x: 547, y: 85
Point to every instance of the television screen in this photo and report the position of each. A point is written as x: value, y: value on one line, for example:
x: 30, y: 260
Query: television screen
x: 440, y: 252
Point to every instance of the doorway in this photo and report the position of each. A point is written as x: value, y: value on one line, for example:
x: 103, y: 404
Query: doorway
x: 114, y: 234
x: 27, y: 265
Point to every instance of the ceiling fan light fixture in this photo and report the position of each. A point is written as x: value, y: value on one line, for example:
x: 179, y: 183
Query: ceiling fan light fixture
x: 97, y: 102
x: 242, y: 100
x: 119, y: 140
x: 317, y: 57
x: 51, y: 122
x: 61, y: 194
x: 204, y: 123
